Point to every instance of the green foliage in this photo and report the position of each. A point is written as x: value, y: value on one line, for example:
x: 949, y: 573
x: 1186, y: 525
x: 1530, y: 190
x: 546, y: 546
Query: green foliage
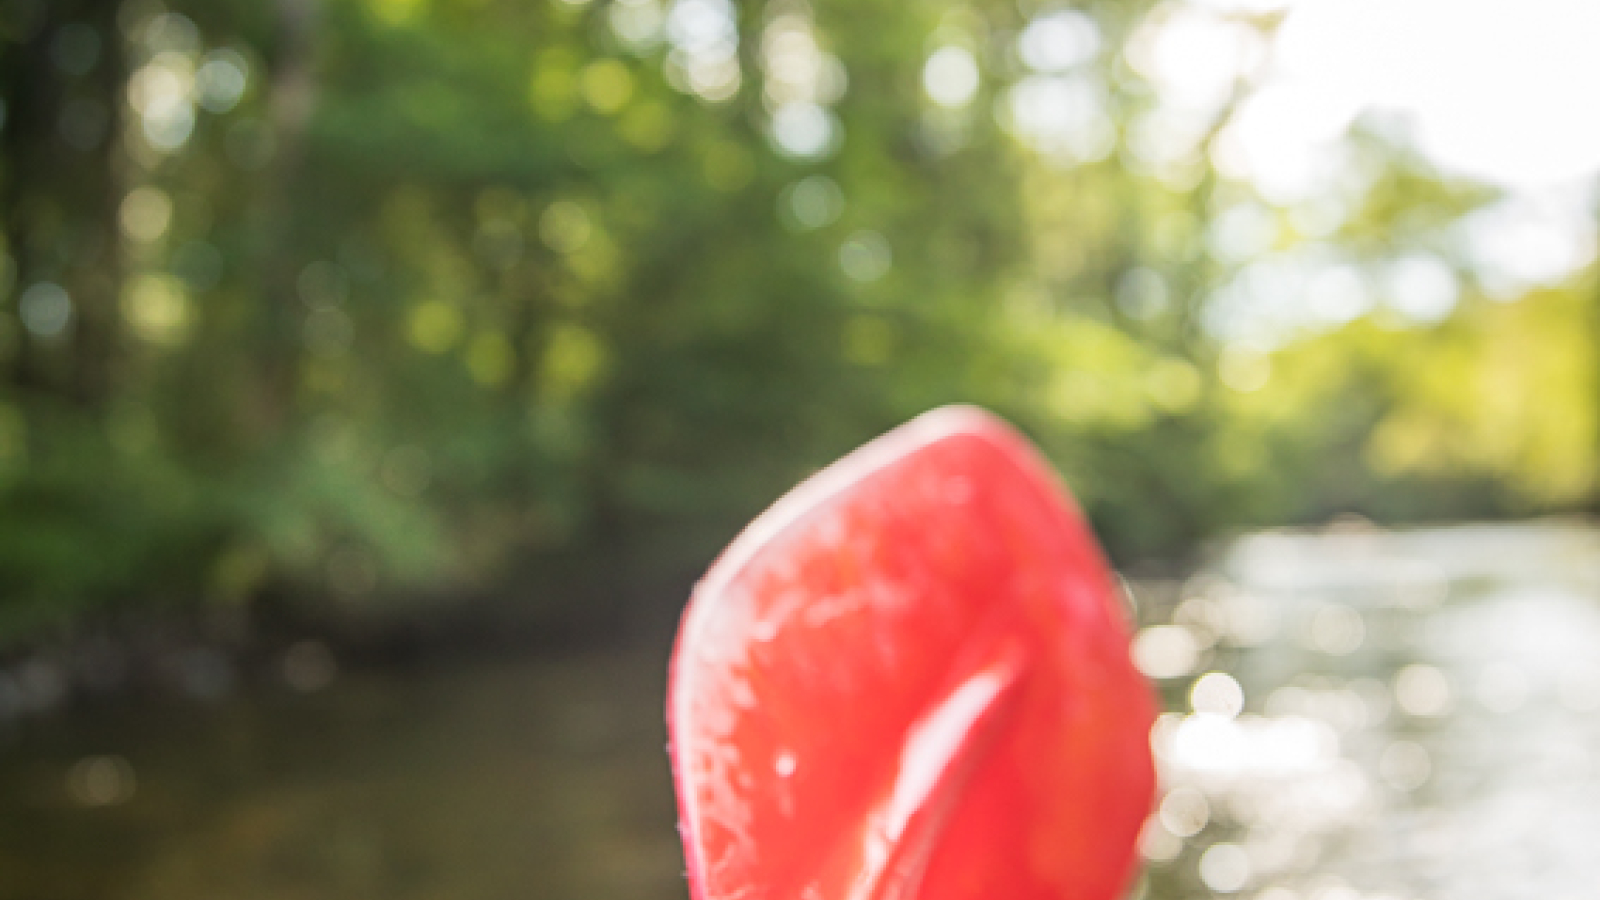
x: 395, y: 297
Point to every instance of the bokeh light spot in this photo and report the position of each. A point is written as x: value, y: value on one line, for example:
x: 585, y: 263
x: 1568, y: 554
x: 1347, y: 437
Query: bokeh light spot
x: 1058, y: 41
x: 1244, y: 368
x: 101, y: 781
x: 76, y: 48
x: 45, y: 309
x: 156, y: 307
x: 812, y: 202
x: 435, y: 326
x: 951, y: 77
x: 607, y: 85
x: 1422, y: 690
x: 565, y: 226
x: 1225, y: 868
x: 1184, y: 811
x: 1165, y: 651
x: 221, y: 80
x: 1217, y: 694
x: 490, y: 358
x: 309, y: 666
x: 865, y: 256
x: 803, y: 130
x: 145, y: 214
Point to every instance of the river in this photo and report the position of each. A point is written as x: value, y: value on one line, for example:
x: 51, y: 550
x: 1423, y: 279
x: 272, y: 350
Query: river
x: 1353, y: 714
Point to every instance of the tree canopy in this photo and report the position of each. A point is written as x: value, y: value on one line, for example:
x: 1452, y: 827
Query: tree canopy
x: 360, y: 301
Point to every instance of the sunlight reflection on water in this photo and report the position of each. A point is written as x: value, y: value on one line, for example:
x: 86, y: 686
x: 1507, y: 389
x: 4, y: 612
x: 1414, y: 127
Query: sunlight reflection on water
x: 1416, y: 730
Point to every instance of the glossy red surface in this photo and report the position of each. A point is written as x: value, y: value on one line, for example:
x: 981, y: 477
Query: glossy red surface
x: 909, y: 678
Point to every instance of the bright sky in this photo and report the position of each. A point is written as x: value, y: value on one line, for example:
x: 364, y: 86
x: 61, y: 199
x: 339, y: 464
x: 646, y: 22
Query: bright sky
x: 1500, y: 89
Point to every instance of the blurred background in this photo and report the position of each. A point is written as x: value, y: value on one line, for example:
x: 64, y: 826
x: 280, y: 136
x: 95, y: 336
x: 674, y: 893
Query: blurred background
x: 377, y: 375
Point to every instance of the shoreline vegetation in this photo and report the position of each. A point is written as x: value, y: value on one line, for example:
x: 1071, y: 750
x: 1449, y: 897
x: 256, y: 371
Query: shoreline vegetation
x: 312, y: 307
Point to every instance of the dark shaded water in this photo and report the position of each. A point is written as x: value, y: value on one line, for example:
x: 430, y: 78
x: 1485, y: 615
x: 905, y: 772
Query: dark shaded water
x: 492, y: 780
x: 1353, y: 715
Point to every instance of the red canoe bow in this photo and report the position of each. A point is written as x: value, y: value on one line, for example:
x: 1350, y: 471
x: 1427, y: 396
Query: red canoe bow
x: 909, y: 680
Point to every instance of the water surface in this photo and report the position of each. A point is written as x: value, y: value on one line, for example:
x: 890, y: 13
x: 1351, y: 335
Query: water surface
x: 1353, y: 714
x: 1403, y: 715
x: 499, y: 779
